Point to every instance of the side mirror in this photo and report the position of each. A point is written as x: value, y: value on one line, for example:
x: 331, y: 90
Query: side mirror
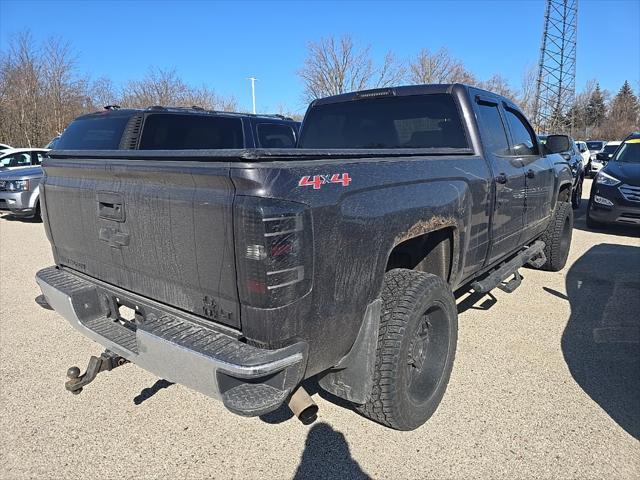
x: 558, y: 143
x: 566, y: 156
x: 603, y: 157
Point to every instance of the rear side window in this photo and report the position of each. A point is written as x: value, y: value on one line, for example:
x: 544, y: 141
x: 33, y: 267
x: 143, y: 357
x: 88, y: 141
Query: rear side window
x: 101, y: 132
x: 273, y: 135
x: 190, y: 132
x: 492, y: 129
x: 420, y: 121
x: 524, y: 141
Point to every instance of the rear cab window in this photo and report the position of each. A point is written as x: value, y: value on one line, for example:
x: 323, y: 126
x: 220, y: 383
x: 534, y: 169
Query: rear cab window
x: 413, y: 121
x: 492, y: 129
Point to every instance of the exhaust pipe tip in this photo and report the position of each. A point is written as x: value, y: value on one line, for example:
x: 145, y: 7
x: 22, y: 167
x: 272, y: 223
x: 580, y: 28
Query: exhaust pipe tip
x: 303, y: 406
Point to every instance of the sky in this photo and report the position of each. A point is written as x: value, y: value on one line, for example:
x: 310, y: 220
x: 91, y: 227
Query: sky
x: 221, y: 44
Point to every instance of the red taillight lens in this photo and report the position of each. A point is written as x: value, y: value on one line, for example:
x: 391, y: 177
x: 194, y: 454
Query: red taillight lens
x: 274, y: 251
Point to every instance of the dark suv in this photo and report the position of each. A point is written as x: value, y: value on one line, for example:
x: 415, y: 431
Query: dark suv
x: 615, y: 193
x: 160, y: 128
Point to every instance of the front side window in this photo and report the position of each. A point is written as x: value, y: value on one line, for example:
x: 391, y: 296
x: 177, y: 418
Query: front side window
x: 524, y: 141
x: 420, y: 121
x: 273, y: 135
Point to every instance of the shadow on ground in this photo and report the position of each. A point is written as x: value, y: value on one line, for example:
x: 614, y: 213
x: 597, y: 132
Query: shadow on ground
x: 147, y: 393
x: 601, y: 342
x: 12, y: 218
x: 326, y: 456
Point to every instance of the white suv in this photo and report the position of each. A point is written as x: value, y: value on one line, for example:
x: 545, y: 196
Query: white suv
x: 584, y: 152
x: 607, y: 152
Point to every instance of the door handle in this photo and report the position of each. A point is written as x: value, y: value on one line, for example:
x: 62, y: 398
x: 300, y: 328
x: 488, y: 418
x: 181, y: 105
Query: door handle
x: 531, y: 173
x: 501, y: 178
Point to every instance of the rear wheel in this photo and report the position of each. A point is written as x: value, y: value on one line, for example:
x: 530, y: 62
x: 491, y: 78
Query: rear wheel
x: 557, y: 237
x: 416, y: 348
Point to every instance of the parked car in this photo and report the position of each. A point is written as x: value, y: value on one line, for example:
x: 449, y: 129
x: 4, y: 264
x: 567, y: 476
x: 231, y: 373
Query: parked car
x: 240, y: 273
x: 12, y: 158
x: 603, y: 156
x: 615, y: 192
x: 4, y: 146
x: 571, y: 154
x: 20, y: 191
x: 584, y: 152
x: 161, y: 128
x: 595, y: 147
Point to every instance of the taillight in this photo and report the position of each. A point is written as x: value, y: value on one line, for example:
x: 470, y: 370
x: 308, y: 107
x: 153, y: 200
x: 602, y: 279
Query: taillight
x: 274, y: 251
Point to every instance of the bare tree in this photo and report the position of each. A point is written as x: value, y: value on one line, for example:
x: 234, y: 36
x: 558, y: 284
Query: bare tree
x: 103, y: 93
x: 20, y: 73
x: 335, y: 66
x: 498, y: 84
x: 64, y: 93
x: 164, y: 87
x: 438, y: 67
x: 527, y: 93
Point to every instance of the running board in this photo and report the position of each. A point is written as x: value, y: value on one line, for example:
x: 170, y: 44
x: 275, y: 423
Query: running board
x: 534, y: 255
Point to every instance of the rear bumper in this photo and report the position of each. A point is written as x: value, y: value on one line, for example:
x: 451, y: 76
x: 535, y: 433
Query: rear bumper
x: 250, y: 381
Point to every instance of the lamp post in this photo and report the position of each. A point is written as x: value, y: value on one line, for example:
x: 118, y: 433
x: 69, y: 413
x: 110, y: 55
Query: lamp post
x: 253, y: 92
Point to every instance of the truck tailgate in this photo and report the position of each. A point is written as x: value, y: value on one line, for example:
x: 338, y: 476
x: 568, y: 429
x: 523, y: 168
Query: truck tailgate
x: 161, y: 229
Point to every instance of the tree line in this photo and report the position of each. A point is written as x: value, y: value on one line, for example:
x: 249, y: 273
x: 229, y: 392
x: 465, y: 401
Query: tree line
x: 339, y: 65
x: 42, y: 89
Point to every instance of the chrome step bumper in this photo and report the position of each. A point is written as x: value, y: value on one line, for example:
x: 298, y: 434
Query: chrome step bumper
x: 249, y: 380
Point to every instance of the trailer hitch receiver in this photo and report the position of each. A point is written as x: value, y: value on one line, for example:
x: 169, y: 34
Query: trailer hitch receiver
x: 104, y: 363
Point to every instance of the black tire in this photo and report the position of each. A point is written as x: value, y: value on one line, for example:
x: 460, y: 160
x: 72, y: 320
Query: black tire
x: 37, y: 216
x: 557, y: 237
x: 416, y: 349
x: 576, y: 197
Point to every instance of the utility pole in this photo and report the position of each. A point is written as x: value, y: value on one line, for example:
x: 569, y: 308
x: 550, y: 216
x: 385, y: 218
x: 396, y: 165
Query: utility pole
x: 556, y: 84
x: 253, y: 92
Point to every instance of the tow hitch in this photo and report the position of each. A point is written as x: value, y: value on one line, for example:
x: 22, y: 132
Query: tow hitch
x: 104, y: 363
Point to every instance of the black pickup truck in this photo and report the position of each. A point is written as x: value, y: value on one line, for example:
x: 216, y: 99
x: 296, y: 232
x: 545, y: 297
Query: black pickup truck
x: 242, y: 272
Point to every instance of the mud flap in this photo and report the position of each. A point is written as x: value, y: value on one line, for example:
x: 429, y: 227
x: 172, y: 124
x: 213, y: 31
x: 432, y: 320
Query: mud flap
x: 352, y: 377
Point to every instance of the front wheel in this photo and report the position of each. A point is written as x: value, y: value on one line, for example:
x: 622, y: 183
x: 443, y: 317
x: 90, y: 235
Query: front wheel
x: 416, y: 348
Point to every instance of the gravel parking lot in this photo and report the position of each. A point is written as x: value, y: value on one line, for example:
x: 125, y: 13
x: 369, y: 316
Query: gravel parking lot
x: 546, y: 384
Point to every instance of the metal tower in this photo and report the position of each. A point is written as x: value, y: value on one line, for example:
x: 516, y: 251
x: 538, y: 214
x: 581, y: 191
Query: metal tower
x: 556, y: 85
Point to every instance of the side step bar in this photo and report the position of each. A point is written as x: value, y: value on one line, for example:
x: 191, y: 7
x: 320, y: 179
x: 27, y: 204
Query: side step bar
x: 533, y: 255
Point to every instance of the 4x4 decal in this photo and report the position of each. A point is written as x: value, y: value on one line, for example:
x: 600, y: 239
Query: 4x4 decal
x: 318, y: 180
